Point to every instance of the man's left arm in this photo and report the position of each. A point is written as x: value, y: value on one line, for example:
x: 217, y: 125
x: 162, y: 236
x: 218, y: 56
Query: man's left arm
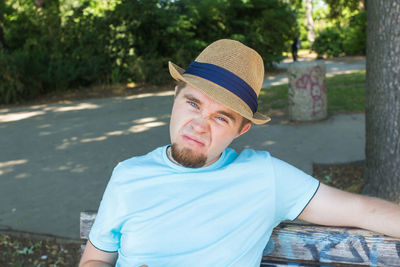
x: 331, y: 206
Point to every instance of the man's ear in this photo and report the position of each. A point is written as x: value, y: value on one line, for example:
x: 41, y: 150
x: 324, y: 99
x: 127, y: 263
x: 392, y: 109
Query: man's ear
x: 244, y: 129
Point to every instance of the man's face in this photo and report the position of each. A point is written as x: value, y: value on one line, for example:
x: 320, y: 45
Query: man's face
x: 201, y: 128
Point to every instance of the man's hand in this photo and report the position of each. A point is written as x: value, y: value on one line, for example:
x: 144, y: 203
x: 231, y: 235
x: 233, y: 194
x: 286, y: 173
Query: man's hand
x: 331, y: 206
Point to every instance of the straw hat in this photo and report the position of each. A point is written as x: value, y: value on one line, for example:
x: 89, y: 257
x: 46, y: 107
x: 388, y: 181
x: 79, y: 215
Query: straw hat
x: 230, y: 73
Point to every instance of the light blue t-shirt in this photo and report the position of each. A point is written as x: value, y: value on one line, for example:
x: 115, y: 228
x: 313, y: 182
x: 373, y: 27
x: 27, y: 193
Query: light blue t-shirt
x: 158, y: 213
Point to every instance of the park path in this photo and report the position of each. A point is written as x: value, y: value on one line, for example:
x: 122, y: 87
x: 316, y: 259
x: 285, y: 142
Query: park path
x: 56, y: 159
x: 333, y: 66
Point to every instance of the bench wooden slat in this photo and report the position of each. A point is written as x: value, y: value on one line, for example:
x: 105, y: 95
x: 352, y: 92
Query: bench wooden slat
x: 86, y: 222
x: 311, y: 245
x: 334, y: 245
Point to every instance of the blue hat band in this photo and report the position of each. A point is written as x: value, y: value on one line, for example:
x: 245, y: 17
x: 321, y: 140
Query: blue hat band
x: 225, y: 79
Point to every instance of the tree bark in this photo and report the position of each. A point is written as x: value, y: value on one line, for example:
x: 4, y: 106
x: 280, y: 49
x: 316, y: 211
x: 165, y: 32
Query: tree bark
x: 382, y: 175
x: 39, y: 3
x: 309, y: 22
x: 2, y: 40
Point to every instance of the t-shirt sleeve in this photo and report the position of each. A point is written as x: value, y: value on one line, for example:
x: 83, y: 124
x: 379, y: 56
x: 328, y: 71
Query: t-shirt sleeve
x: 294, y: 190
x: 105, y: 233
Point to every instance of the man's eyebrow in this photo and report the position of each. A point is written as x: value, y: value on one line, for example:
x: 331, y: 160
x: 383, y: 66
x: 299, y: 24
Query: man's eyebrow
x: 192, y: 98
x: 227, y: 114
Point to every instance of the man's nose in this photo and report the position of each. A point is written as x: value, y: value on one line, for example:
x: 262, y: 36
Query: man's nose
x: 200, y: 123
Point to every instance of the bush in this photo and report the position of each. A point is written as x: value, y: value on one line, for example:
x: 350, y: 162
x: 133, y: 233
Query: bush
x: 19, y: 76
x: 328, y: 41
x: 265, y: 25
x: 349, y: 40
x: 60, y: 47
x: 355, y: 36
x: 11, y: 85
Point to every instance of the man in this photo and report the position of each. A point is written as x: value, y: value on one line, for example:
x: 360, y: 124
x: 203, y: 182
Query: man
x: 199, y: 203
x: 295, y: 47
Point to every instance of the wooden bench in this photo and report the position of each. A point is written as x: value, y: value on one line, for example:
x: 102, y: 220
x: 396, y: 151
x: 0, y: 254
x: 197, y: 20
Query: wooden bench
x: 310, y: 245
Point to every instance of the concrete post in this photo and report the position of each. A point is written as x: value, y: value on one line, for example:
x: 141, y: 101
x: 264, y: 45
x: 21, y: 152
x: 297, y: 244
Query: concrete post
x: 307, y: 91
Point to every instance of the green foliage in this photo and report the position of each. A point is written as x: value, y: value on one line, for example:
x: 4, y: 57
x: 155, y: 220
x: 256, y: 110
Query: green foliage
x: 338, y: 7
x: 18, y: 72
x: 11, y: 85
x: 328, y: 41
x: 355, y: 36
x: 69, y: 44
x: 267, y: 26
x: 348, y: 40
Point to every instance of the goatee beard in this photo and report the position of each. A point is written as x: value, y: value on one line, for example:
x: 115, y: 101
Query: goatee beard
x: 187, y: 158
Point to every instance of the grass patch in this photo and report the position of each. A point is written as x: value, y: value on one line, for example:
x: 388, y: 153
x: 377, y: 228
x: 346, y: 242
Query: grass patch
x: 346, y: 94
x: 273, y: 98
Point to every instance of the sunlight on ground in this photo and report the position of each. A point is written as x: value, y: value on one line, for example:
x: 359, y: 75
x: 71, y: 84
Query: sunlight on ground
x: 66, y: 142
x: 145, y: 126
x: 80, y: 106
x: 145, y: 120
x: 280, y: 81
x: 68, y: 166
x: 133, y: 129
x: 17, y: 116
x: 7, y: 166
x: 22, y: 175
x: 141, y: 125
x: 340, y: 72
x: 269, y: 143
x: 94, y: 139
x: 167, y: 93
x: 6, y: 115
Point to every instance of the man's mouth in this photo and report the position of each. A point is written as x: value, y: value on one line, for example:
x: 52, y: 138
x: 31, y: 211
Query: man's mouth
x: 193, y: 140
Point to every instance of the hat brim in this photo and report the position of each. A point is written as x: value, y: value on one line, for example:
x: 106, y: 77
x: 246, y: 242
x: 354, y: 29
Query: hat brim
x: 218, y: 93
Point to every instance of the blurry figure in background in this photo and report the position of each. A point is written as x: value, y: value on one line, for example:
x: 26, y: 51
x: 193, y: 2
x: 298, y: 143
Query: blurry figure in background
x: 295, y: 47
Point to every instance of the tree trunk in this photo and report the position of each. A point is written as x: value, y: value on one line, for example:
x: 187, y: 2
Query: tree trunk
x: 383, y: 100
x: 2, y: 41
x: 39, y: 3
x: 309, y: 22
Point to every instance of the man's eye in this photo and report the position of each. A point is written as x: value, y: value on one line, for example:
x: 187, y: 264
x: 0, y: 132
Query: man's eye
x: 221, y: 119
x: 193, y: 104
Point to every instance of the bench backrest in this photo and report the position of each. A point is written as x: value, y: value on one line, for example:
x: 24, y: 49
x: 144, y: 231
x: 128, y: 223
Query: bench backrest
x: 316, y: 245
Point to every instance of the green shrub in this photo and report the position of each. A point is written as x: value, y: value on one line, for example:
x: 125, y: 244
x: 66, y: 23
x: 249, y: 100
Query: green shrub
x: 65, y: 45
x: 328, y: 41
x: 18, y: 76
x: 11, y: 86
x: 355, y: 35
x: 267, y: 26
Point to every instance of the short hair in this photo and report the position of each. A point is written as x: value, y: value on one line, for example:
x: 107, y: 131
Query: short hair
x: 181, y: 84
